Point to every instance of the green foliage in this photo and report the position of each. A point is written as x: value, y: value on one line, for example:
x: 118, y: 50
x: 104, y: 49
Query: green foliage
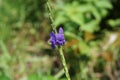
x: 41, y: 77
x: 4, y: 78
x: 12, y: 14
x: 114, y: 23
x: 85, y: 14
x: 4, y: 31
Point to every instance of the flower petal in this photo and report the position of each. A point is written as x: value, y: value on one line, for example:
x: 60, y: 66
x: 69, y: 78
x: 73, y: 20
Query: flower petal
x: 53, y: 46
x: 52, y: 34
x: 60, y: 30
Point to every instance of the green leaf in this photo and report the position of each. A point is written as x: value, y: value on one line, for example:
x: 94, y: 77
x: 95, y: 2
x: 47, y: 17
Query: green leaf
x: 90, y: 27
x: 40, y: 77
x: 114, y: 23
x: 34, y: 77
x: 3, y: 77
x: 60, y: 18
x: 63, y: 79
x: 48, y: 78
x: 4, y: 31
x: 77, y: 18
x: 103, y: 4
x: 84, y: 47
x: 96, y: 13
x: 103, y: 12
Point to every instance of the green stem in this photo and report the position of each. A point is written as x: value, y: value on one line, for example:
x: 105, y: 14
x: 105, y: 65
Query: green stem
x: 60, y: 49
x: 64, y: 63
x: 51, y: 16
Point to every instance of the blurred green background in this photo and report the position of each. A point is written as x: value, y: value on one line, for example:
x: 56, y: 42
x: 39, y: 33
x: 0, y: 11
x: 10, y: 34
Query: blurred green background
x: 92, y: 32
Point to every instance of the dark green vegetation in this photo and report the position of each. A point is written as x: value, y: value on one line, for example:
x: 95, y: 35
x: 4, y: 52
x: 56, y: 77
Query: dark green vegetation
x: 92, y: 32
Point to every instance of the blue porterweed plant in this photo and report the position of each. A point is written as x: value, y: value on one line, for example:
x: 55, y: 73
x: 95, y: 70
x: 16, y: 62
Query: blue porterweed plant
x: 58, y: 40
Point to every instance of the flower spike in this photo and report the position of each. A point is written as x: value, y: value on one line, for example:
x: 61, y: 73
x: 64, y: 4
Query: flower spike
x: 57, y: 39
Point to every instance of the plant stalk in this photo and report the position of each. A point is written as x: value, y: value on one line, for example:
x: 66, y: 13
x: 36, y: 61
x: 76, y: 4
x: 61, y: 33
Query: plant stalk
x: 64, y: 63
x: 60, y: 49
x: 51, y: 16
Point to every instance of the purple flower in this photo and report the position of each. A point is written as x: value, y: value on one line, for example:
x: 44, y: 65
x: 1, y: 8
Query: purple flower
x: 57, y: 39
